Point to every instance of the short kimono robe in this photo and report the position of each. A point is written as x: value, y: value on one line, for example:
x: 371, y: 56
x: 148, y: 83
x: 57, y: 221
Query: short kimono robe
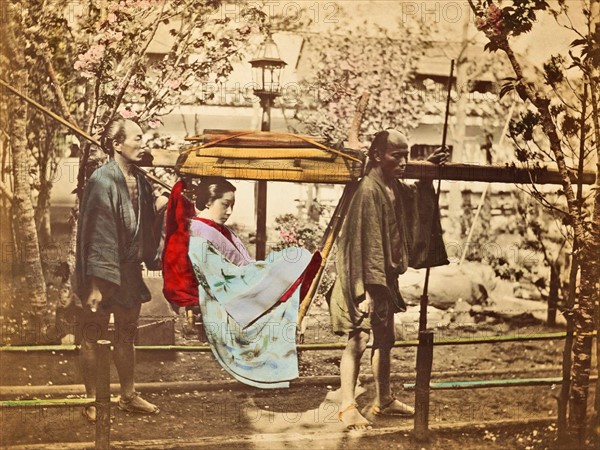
x: 379, y: 240
x: 113, y: 240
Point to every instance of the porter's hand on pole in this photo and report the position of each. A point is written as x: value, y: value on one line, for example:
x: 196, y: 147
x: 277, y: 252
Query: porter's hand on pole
x: 440, y: 156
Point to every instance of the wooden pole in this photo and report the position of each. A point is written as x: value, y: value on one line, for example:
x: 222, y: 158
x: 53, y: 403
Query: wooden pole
x: 206, y: 348
x: 75, y: 129
x: 425, y: 348
x: 188, y: 386
x: 261, y: 185
x: 329, y: 238
x: 424, y: 364
x: 486, y: 384
x: 508, y: 174
x: 354, y: 131
x: 414, y: 169
x: 103, y: 395
x: 261, y: 219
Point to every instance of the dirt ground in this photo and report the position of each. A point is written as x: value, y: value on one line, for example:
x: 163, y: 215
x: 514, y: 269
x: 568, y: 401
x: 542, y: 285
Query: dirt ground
x: 230, y: 415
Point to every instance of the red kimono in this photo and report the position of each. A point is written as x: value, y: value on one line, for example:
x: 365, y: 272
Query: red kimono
x: 180, y: 284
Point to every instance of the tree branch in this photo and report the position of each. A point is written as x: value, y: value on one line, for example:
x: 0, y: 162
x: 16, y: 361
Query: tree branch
x: 526, y: 91
x: 60, y: 96
x: 136, y: 60
x: 537, y: 195
x: 596, y: 122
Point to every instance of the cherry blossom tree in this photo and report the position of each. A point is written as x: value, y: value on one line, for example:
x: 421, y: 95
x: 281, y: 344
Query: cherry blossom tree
x: 28, y: 252
x: 562, y: 125
x: 375, y: 60
x: 93, y: 63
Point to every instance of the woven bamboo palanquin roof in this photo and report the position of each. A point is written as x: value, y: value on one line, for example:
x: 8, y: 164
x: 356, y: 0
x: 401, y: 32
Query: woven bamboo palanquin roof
x: 261, y: 155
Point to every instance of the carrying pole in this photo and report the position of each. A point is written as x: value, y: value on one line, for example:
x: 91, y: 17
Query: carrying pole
x: 75, y: 129
x: 328, y: 240
x: 425, y: 348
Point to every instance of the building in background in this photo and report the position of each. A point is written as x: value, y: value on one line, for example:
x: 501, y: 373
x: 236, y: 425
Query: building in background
x: 474, y: 135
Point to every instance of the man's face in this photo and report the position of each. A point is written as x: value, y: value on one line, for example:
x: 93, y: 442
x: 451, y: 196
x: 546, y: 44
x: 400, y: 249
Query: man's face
x: 393, y: 159
x: 131, y: 148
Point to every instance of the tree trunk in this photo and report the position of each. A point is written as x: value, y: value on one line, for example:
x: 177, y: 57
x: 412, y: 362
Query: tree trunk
x: 567, y: 361
x: 42, y: 212
x: 586, y: 309
x: 28, y: 247
x: 583, y: 316
x: 595, y: 275
x: 596, y: 212
x: 588, y: 241
x: 553, y: 292
x: 584, y: 327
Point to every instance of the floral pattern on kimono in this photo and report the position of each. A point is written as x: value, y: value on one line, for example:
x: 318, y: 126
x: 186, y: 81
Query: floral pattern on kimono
x: 251, y: 332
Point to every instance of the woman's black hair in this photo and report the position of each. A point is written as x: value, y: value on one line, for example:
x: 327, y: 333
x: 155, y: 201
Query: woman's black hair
x: 210, y: 189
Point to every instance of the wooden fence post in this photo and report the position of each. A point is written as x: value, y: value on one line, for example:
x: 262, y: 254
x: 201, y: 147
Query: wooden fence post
x: 103, y: 395
x: 424, y: 364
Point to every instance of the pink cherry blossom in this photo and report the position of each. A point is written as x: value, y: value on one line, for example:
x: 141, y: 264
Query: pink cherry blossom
x: 494, y: 16
x: 127, y: 114
x: 88, y: 61
x: 173, y: 84
x: 492, y: 22
x: 480, y: 23
x: 288, y: 235
x: 154, y: 123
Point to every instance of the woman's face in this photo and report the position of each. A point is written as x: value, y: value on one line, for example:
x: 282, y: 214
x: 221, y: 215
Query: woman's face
x: 220, y: 209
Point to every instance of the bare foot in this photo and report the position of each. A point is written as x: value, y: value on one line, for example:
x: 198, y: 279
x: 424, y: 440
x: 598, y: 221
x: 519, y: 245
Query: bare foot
x: 392, y: 408
x: 336, y: 395
x: 137, y: 404
x: 352, y: 419
x: 89, y: 412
